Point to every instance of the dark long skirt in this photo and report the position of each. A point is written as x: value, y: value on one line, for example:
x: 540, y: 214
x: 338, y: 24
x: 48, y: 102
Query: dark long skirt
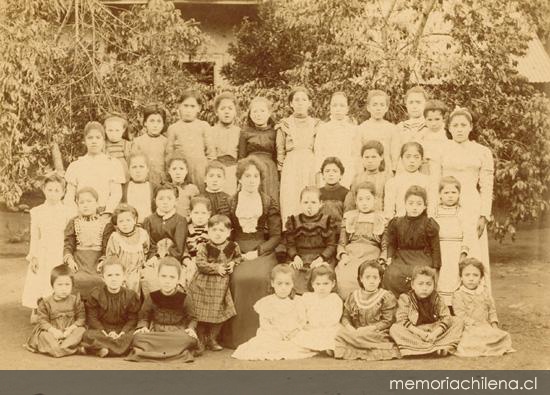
x: 155, y: 346
x: 87, y: 277
x: 95, y: 339
x: 398, y: 275
x: 249, y: 283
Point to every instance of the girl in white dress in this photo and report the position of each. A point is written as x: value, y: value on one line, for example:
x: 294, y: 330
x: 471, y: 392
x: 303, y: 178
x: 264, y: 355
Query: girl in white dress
x: 47, y: 228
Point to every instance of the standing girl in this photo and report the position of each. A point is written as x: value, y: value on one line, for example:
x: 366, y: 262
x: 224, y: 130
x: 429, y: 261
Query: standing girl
x: 361, y: 238
x: 117, y: 145
x: 86, y: 237
x: 258, y: 141
x: 112, y: 311
x: 280, y: 320
x: 474, y: 304
x: 153, y: 143
x: 60, y: 318
x: 48, y: 223
x: 369, y: 313
x: 224, y: 138
x: 129, y: 244
x: 178, y: 175
x: 424, y: 324
x: 412, y: 128
x: 189, y: 137
x: 96, y: 170
x: 209, y: 288
x: 295, y: 138
x: 139, y: 191
x: 413, y: 240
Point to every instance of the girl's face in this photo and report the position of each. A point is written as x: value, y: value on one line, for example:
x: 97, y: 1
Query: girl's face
x: 250, y: 179
x: 168, y: 279
x: 154, y: 124
x: 165, y: 201
x: 323, y: 285
x: 200, y: 214
x: 215, y: 179
x: 370, y: 279
x: 377, y: 107
x: 178, y: 171
x: 87, y: 204
x: 189, y: 109
x: 113, y: 277
x: 449, y: 195
x: 423, y: 286
x: 114, y: 129
x: 282, y: 284
x: 471, y: 277
x: 126, y: 222
x: 62, y: 287
x: 138, y: 169
x: 411, y: 160
x: 332, y: 174
x: 310, y: 203
x: 435, y: 121
x: 371, y: 160
x: 300, y: 103
x: 259, y: 113
x: 460, y: 128
x: 364, y: 200
x: 415, y: 103
x: 218, y: 233
x: 339, y: 107
x: 53, y: 191
x: 414, y: 206
x: 226, y: 111
x: 94, y: 142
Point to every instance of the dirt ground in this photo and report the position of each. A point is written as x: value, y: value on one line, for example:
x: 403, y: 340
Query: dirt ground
x: 521, y: 287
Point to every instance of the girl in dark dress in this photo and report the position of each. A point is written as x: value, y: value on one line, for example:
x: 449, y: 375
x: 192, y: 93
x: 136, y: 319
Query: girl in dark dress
x: 215, y: 180
x: 333, y: 194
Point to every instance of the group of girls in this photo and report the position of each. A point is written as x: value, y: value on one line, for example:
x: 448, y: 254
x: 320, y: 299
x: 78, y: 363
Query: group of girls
x: 192, y: 237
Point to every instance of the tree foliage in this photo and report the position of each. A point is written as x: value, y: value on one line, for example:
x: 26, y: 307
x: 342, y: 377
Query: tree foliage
x: 461, y: 51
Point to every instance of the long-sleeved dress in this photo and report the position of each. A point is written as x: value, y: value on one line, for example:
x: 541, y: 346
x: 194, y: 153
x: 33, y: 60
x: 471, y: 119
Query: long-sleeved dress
x: 167, y: 317
x: 427, y: 314
x: 340, y: 139
x: 186, y: 192
x: 280, y: 321
x: 219, y: 202
x: 472, y: 164
x: 309, y: 238
x: 371, y: 314
x: 225, y: 144
x: 362, y: 239
x: 47, y: 228
x: 333, y: 198
x: 108, y: 312
x: 256, y: 227
x: 192, y: 141
x: 412, y: 241
x: 295, y: 159
x: 434, y: 149
x: 388, y: 135
x: 85, y: 240
x: 59, y: 314
x: 154, y: 148
x: 131, y: 249
x: 260, y: 144
x: 196, y: 236
x: 141, y: 196
x: 322, y: 318
x: 396, y: 187
x: 379, y: 180
x: 210, y: 292
x: 121, y: 152
x: 477, y: 309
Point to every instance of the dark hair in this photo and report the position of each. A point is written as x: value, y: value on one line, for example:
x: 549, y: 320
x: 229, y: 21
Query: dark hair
x: 177, y: 157
x: 423, y: 271
x: 375, y: 145
x: 244, y: 164
x: 471, y: 262
x: 310, y: 189
x: 405, y: 147
x: 377, y: 92
x: 215, y: 164
x: 367, y: 185
x: 224, y: 96
x: 417, y: 190
x: 61, y: 270
x: 93, y: 125
x: 283, y: 268
x: 269, y: 105
x: 138, y: 154
x: 123, y: 208
x: 372, y: 263
x: 112, y: 260
x: 220, y: 219
x: 155, y: 109
x: 295, y: 90
x: 169, y: 261
x: 166, y: 186
x: 89, y: 190
x: 435, y: 105
x: 319, y: 271
x: 53, y: 178
x: 191, y: 94
x: 449, y: 180
x: 466, y: 113
x: 333, y: 160
x: 200, y: 200
x: 416, y: 89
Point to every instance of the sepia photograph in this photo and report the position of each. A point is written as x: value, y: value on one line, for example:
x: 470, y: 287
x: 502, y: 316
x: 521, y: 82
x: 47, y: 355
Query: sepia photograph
x: 275, y: 185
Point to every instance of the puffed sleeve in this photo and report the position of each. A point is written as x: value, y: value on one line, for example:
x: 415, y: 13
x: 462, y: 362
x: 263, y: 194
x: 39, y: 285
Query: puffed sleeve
x: 132, y: 312
x: 390, y: 198
x: 145, y: 315
x: 106, y: 237
x: 349, y: 201
x: 274, y: 225
x: 402, y: 312
x: 387, y: 313
x: 280, y: 143
x: 201, y: 260
x: 343, y: 241
x: 34, y: 234
x: 486, y: 179
x: 330, y: 240
x: 445, y: 319
x: 69, y: 245
x: 432, y: 231
x: 43, y: 315
x: 80, y: 311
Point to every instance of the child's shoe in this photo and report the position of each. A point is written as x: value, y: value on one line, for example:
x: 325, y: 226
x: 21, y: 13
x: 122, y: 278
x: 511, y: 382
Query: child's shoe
x: 213, y: 345
x: 102, y: 352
